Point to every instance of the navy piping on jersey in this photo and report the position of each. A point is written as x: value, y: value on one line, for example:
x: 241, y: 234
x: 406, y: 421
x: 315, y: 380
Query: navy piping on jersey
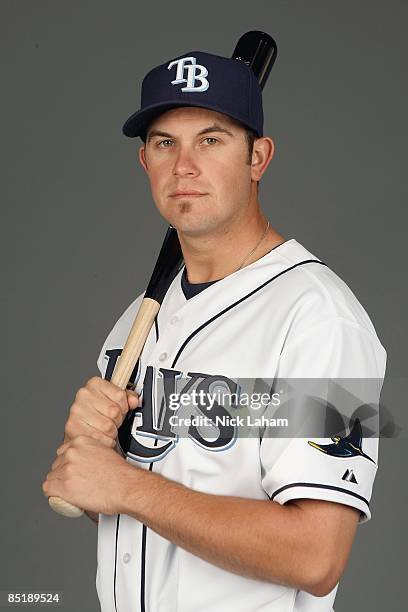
x: 156, y: 327
x: 116, y: 557
x: 219, y: 314
x: 144, y: 527
x: 318, y: 486
x: 143, y: 560
x: 143, y: 570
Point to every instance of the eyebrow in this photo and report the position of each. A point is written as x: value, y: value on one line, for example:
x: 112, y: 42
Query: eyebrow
x: 208, y: 130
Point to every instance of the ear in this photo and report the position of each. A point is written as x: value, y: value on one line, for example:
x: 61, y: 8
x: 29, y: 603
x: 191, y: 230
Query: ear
x: 142, y: 158
x: 263, y: 151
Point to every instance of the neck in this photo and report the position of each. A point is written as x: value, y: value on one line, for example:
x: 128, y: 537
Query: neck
x: 214, y: 256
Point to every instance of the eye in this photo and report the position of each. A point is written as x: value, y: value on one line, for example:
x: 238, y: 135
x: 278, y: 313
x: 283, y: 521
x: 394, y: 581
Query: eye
x: 210, y: 138
x: 161, y: 143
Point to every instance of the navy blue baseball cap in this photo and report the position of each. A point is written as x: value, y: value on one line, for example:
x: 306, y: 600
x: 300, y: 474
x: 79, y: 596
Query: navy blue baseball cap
x: 222, y: 84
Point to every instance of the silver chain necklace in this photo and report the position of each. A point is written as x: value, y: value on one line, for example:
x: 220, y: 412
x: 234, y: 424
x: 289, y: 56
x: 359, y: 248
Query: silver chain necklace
x: 254, y: 249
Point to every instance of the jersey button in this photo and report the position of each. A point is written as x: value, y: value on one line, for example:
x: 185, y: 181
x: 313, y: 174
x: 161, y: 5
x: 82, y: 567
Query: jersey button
x: 163, y: 356
x: 126, y: 558
x: 174, y: 320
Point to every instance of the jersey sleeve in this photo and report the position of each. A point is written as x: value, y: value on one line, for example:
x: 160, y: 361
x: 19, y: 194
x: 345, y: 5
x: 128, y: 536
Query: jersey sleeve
x: 340, y: 468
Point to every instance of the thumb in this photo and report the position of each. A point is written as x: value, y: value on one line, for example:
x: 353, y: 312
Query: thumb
x: 133, y: 398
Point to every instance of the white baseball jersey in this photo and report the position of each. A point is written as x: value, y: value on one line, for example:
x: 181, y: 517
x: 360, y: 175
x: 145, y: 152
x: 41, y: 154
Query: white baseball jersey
x: 286, y: 315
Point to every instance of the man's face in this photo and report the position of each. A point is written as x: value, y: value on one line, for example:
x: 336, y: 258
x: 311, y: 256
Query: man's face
x: 193, y: 149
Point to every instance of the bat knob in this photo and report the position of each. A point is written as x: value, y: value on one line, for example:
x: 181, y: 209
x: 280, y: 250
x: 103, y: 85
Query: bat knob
x: 63, y: 507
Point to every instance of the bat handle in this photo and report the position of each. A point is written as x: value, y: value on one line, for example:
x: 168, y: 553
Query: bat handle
x: 124, y: 368
x: 65, y: 508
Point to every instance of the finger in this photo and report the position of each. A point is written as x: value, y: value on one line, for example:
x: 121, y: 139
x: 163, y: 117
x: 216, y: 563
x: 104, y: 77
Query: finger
x: 80, y: 440
x: 52, y: 487
x: 99, y: 436
x: 111, y: 391
x: 106, y: 423
x: 94, y: 406
x: 56, y: 474
x: 61, y: 449
x: 57, y: 462
x: 104, y: 418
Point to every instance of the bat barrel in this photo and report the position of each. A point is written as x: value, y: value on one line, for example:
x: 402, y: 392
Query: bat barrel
x: 258, y: 50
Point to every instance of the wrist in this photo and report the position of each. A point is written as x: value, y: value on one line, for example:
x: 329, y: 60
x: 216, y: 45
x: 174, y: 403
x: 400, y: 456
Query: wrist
x: 134, y: 492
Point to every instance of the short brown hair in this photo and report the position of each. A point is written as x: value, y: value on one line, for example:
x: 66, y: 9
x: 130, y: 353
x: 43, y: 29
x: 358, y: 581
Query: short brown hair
x: 250, y: 136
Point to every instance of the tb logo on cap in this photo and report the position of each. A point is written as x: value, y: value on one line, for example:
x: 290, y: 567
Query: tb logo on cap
x: 190, y: 64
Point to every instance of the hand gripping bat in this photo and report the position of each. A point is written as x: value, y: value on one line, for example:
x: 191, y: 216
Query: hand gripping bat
x: 257, y: 50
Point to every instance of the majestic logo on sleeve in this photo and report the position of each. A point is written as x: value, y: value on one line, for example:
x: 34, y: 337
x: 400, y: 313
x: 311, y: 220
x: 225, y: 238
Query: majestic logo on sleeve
x: 349, y: 446
x: 349, y: 476
x: 195, y: 72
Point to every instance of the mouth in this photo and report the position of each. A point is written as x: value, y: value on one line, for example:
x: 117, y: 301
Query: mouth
x: 185, y: 194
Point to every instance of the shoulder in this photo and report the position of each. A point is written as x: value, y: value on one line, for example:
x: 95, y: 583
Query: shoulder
x: 315, y: 292
x: 323, y: 317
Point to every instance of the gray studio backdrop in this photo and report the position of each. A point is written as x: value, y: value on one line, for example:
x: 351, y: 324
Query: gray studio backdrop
x: 81, y: 233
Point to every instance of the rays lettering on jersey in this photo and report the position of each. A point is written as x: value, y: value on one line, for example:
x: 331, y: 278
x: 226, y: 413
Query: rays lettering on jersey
x: 190, y: 65
x: 154, y: 438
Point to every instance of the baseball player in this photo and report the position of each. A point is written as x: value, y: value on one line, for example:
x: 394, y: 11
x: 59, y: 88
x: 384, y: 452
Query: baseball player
x: 221, y: 522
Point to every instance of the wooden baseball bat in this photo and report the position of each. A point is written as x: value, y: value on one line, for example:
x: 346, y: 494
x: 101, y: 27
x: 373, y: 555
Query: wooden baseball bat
x: 257, y: 50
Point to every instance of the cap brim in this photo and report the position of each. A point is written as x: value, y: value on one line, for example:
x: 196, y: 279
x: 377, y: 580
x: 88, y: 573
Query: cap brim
x: 137, y: 124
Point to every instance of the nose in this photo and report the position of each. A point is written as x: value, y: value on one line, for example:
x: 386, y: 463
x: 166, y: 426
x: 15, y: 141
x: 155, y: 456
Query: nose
x: 185, y: 163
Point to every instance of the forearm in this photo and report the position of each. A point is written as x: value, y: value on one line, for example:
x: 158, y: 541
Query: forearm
x: 94, y: 516
x: 255, y: 538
